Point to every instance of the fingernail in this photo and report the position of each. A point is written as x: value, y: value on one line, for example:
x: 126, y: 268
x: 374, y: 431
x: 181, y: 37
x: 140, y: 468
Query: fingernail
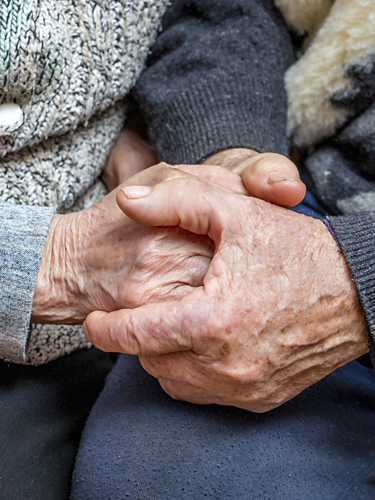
x: 277, y: 177
x: 135, y: 192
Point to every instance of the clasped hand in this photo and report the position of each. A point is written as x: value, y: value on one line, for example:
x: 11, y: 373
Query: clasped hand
x: 276, y: 312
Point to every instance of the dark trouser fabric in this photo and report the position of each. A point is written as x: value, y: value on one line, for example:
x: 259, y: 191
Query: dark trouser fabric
x: 140, y: 444
x: 42, y: 413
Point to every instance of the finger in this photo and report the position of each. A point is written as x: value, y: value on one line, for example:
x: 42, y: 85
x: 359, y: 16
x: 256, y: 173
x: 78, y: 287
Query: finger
x: 148, y: 330
x: 131, y: 149
x: 274, y: 178
x: 189, y: 203
x: 178, y: 366
x: 219, y: 176
x: 212, y: 174
x: 180, y: 376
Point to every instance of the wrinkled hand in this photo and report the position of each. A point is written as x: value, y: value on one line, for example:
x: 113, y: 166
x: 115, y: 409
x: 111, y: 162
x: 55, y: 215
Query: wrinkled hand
x: 130, y: 155
x: 276, y: 313
x: 268, y: 176
x: 101, y: 259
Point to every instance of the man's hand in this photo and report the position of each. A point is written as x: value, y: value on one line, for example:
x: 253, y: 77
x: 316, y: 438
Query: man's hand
x: 276, y: 313
x: 101, y: 259
x: 268, y: 176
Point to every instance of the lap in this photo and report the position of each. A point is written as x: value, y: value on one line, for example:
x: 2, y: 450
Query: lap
x: 139, y: 443
x: 42, y: 413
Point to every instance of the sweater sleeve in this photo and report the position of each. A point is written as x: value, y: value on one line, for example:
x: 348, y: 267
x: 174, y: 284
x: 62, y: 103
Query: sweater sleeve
x: 214, y: 80
x: 23, y: 232
x: 356, y: 235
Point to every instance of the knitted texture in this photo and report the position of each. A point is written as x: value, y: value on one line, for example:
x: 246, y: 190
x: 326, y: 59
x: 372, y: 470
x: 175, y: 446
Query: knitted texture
x: 331, y: 96
x: 206, y: 86
x: 68, y: 64
x: 20, y: 250
x: 227, y: 62
x: 356, y: 236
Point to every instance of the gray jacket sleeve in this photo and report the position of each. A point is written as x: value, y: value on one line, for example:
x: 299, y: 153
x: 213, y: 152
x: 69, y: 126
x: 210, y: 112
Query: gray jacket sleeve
x: 23, y: 233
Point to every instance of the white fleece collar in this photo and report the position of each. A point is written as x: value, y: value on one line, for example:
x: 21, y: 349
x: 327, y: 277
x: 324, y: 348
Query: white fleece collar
x: 340, y: 35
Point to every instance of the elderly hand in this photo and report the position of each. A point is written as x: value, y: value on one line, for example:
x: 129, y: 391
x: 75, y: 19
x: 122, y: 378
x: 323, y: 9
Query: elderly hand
x: 268, y: 176
x: 277, y: 311
x: 130, y: 155
x: 101, y: 259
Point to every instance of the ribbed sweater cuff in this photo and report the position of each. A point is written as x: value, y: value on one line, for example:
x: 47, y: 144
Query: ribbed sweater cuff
x: 23, y: 231
x: 195, y: 126
x: 356, y: 234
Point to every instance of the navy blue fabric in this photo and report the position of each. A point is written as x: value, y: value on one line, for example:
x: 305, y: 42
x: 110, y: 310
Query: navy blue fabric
x: 139, y: 443
x: 311, y: 207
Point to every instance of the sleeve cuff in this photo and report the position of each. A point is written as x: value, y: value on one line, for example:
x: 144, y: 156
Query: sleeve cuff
x: 356, y: 235
x: 189, y: 133
x: 23, y: 233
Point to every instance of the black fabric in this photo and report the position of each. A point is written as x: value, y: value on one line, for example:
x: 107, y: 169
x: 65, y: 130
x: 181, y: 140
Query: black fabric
x: 43, y: 410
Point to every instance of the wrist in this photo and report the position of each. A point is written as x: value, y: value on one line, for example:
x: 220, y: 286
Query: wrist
x: 348, y: 315
x: 57, y: 296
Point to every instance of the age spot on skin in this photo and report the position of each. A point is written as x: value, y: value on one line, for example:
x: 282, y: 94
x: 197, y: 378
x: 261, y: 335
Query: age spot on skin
x: 228, y: 331
x: 225, y: 350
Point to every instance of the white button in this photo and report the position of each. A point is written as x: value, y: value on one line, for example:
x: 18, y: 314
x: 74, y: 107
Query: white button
x: 10, y: 114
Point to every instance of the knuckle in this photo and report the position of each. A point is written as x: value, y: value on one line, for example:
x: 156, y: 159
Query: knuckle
x: 162, y: 165
x: 163, y: 172
x: 267, y: 162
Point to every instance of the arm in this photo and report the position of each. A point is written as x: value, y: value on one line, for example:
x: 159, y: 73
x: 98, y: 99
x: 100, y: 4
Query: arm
x: 23, y: 233
x: 213, y: 88
x: 214, y: 80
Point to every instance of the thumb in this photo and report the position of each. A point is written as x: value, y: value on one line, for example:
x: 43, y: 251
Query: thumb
x: 155, y: 328
x: 274, y: 178
x: 187, y: 202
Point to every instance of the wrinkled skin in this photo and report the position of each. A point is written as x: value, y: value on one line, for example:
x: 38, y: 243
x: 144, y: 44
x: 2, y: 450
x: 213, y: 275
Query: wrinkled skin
x: 267, y: 176
x: 129, y: 156
x: 101, y: 259
x: 276, y: 313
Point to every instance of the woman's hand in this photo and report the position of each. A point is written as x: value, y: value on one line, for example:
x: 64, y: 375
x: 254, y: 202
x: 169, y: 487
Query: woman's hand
x: 101, y: 259
x: 268, y: 176
x: 130, y: 155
